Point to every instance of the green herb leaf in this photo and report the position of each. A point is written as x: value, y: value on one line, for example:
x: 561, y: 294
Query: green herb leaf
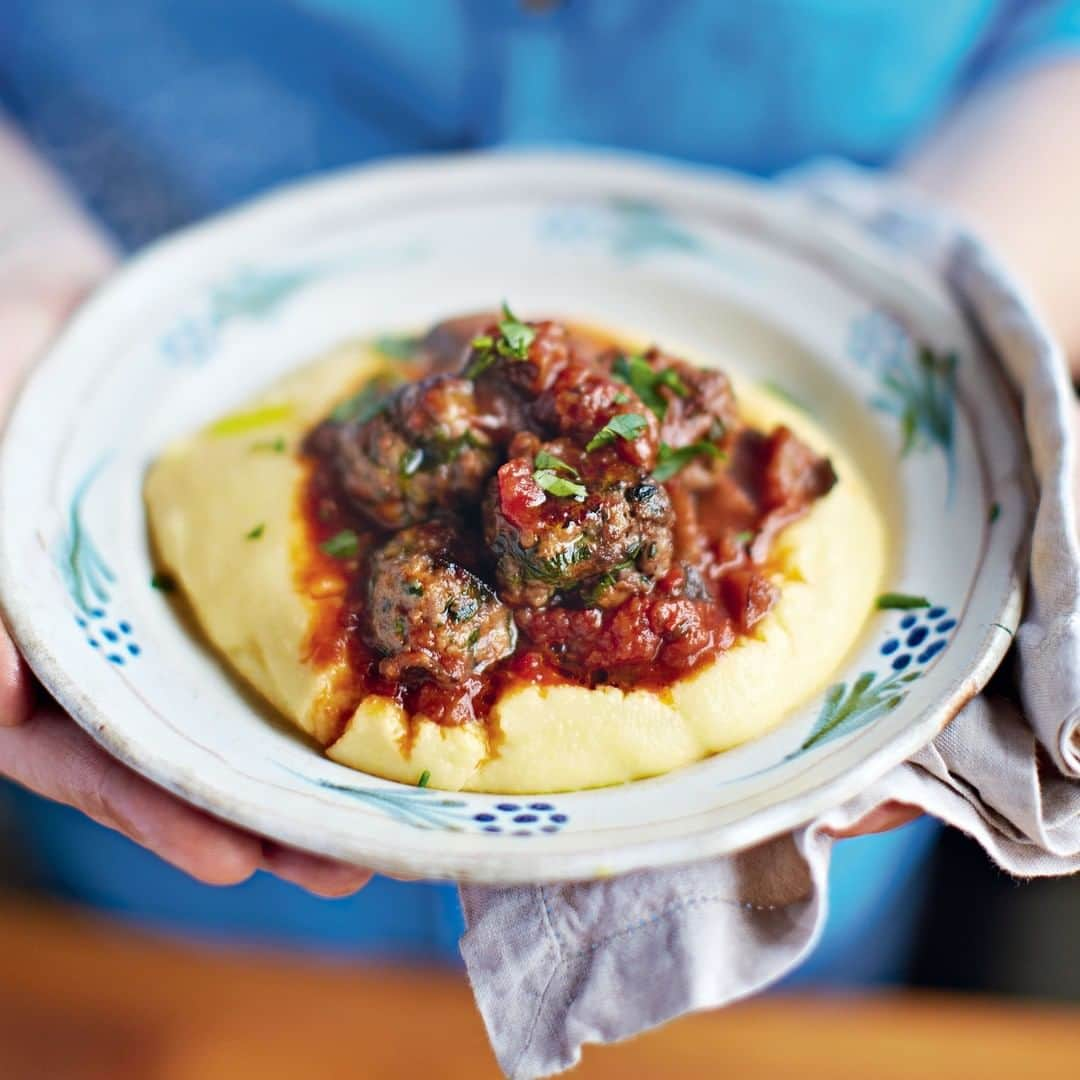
x: 995, y: 512
x: 425, y: 778
x: 256, y: 531
x: 239, y: 423
x: 669, y: 462
x: 513, y: 343
x: 273, y: 446
x: 163, y: 582
x: 894, y: 601
x: 744, y: 537
x: 367, y: 402
x: 342, y: 545
x: 397, y: 346
x: 516, y: 335
x: 637, y: 373
x: 554, y: 484
x: 626, y: 426
x: 411, y: 461
x: 544, y: 460
x: 414, y: 588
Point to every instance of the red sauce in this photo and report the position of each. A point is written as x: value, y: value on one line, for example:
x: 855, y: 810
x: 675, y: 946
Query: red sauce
x: 715, y: 592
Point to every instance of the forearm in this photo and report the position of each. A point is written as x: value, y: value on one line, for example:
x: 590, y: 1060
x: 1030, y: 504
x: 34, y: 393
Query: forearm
x: 1008, y: 160
x: 50, y: 255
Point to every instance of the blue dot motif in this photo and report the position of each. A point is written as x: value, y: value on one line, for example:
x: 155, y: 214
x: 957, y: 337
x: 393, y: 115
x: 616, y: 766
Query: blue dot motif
x: 890, y: 646
x: 507, y: 807
x: 93, y: 643
x: 935, y: 613
x: 483, y: 817
x: 917, y: 636
x: 97, y: 613
x: 125, y: 627
x: 116, y: 658
x: 907, y: 622
x: 901, y: 661
x: 931, y: 651
x: 559, y: 819
x: 541, y: 806
x: 492, y: 828
x: 80, y: 622
x: 110, y: 635
x: 525, y: 819
x: 945, y: 625
x: 133, y: 648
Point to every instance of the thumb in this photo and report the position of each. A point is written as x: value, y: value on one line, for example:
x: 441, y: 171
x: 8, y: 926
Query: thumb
x: 16, y: 693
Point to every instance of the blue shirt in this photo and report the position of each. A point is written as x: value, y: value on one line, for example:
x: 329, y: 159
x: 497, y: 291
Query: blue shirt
x: 161, y: 111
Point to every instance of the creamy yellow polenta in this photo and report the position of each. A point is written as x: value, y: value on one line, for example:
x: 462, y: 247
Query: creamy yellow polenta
x: 222, y: 513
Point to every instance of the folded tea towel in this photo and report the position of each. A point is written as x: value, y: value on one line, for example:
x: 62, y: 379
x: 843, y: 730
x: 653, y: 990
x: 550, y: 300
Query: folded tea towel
x: 553, y: 967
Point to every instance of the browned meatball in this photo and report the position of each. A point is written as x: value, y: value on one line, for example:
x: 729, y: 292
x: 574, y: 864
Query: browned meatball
x: 427, y: 614
x: 583, y: 399
x: 606, y: 536
x: 427, y: 448
x: 446, y: 346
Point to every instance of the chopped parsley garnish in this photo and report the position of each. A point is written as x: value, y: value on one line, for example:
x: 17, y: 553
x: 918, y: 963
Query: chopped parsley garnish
x: 256, y: 531
x: 342, y: 545
x: 669, y: 461
x: 512, y: 343
x: 895, y: 601
x: 626, y: 426
x: 995, y: 512
x: 554, y: 484
x: 425, y: 778
x: 474, y: 637
x: 544, y: 460
x: 414, y: 588
x: 744, y: 537
x: 397, y: 346
x: 546, y: 475
x: 366, y: 403
x: 411, y: 461
x: 636, y: 372
x: 273, y: 446
x: 163, y: 582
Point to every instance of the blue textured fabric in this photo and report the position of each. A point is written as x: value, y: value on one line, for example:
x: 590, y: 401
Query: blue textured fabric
x: 161, y: 111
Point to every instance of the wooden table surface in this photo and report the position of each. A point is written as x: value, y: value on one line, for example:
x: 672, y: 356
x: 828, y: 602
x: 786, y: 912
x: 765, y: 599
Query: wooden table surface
x: 85, y: 998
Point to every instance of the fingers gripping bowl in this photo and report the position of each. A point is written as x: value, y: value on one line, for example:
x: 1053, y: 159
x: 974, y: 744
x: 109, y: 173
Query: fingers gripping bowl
x: 520, y: 556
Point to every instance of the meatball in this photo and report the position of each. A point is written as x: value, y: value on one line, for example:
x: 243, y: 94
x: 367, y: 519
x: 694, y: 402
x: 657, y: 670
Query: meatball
x: 446, y: 346
x: 525, y: 357
x: 583, y: 399
x: 427, y: 449
x: 429, y: 615
x: 599, y: 526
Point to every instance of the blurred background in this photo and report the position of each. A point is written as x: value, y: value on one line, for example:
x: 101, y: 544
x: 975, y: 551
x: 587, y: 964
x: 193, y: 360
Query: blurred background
x: 152, y: 114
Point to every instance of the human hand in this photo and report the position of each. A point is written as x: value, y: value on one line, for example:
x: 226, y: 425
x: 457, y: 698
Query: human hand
x: 46, y: 751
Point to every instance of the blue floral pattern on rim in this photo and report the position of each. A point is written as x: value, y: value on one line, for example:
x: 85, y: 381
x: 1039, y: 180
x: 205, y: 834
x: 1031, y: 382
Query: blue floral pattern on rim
x: 89, y: 580
x: 916, y: 384
x: 426, y: 808
x: 251, y: 293
x: 915, y: 642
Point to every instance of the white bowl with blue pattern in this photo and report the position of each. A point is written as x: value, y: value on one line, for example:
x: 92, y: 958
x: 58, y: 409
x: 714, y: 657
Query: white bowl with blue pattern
x: 787, y: 293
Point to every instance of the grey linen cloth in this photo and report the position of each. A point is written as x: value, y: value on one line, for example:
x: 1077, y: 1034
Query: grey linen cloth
x: 553, y: 967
